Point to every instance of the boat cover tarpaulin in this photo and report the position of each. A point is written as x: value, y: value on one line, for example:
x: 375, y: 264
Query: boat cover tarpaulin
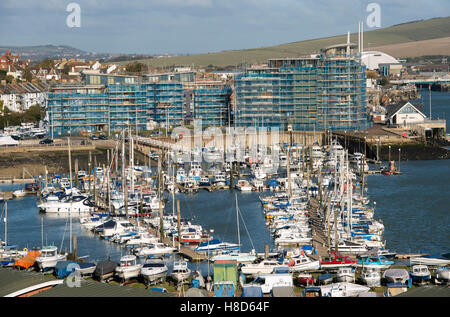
x: 196, y: 292
x: 104, y: 267
x: 282, y: 291
x: 62, y: 268
x: 396, y: 274
x: 28, y: 260
x: 252, y: 291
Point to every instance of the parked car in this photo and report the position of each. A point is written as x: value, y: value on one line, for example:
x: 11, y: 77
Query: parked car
x: 93, y: 137
x: 102, y: 137
x: 46, y: 141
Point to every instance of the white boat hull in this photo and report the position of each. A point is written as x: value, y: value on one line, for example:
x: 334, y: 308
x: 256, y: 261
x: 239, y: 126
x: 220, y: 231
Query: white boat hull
x: 127, y: 273
x: 47, y: 263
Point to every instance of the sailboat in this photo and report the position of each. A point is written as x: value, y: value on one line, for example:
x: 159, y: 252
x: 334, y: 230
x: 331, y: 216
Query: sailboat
x: 238, y: 256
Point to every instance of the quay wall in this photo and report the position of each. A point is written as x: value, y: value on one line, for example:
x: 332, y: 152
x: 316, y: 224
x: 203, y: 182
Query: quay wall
x: 26, y: 164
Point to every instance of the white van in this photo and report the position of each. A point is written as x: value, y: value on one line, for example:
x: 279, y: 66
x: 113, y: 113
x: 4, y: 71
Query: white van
x: 268, y: 281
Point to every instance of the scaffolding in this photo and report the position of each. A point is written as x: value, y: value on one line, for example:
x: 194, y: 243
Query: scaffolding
x: 317, y: 93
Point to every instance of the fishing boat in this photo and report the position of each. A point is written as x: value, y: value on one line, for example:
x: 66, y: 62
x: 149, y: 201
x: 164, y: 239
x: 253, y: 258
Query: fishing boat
x: 371, y: 276
x: 153, y: 271
x: 378, y: 262
x: 345, y: 274
x: 337, y: 261
x: 420, y: 274
x: 128, y: 268
x: 49, y: 257
x: 180, y: 271
x: 396, y: 275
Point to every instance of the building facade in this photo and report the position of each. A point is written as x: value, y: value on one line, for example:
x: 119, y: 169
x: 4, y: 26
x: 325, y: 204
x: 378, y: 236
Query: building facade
x: 322, y: 92
x: 112, y: 103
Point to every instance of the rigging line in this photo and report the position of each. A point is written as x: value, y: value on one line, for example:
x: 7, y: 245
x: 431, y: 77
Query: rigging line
x: 64, y: 234
x: 245, y: 226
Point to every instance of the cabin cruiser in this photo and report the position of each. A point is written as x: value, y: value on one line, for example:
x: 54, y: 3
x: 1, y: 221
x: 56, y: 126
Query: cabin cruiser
x: 128, y: 268
x: 204, y: 181
x: 420, y: 274
x: 220, y: 179
x: 142, y: 239
x: 181, y: 176
x: 379, y: 262
x: 113, y: 227
x: 153, y: 249
x: 239, y: 257
x: 244, y: 186
x: 343, y: 289
x: 302, y: 263
x: 153, y: 270
x: 215, y: 246
x: 180, y: 271
x: 337, y: 261
x: 259, y: 173
x: 345, y: 274
x: 49, y: 257
x: 371, y: 276
x: 68, y: 204
x: 347, y: 246
x: 262, y: 267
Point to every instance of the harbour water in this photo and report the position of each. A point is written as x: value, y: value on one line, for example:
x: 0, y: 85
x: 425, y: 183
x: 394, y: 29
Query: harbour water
x: 414, y: 209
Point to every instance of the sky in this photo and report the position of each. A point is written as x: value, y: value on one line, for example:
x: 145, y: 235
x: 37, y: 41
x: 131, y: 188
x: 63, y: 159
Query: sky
x: 196, y: 26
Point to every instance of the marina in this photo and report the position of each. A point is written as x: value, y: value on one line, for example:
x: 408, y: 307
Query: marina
x: 296, y: 219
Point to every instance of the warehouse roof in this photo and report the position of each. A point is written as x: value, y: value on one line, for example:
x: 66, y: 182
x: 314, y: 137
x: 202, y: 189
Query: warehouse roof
x: 427, y: 291
x: 13, y: 281
x: 89, y: 288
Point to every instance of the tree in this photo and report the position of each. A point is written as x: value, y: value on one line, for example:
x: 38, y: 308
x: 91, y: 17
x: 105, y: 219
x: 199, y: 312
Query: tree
x: 9, y: 79
x: 384, y: 81
x: 27, y: 75
x: 136, y: 67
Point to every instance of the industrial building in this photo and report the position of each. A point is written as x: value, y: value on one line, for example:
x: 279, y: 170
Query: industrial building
x: 315, y: 93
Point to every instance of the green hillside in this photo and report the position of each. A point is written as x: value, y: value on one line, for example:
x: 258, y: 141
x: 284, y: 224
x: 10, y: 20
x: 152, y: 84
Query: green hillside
x: 401, y: 33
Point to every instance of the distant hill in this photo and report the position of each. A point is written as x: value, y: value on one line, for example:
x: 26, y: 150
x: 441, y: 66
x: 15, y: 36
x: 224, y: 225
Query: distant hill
x: 41, y: 52
x: 423, y: 30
